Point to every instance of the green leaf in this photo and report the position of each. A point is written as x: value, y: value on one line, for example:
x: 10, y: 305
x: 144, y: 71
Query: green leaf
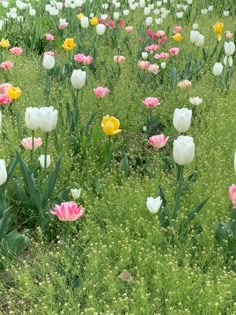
x: 223, y: 232
x: 53, y: 178
x: 13, y: 243
x: 191, y: 215
x: 88, y: 123
x: 4, y: 222
x: 173, y: 76
x: 124, y: 165
x: 35, y: 194
x: 10, y: 170
x: 164, y: 212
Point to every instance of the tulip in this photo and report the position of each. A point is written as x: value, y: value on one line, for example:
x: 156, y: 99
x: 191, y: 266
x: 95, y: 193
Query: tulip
x: 4, y: 43
x: 200, y: 41
x: 218, y: 29
x: 154, y: 204
x: 195, y: 100
x: 31, y: 143
x: 151, y: 102
x: 182, y: 119
x: 119, y: 59
x: 158, y: 141
x: 174, y: 51
x: 47, y: 119
x: 110, y: 125
x: 68, y: 211
x: 32, y: 118
x: 6, y: 65
x: 84, y: 22
x: 48, y: 61
x: 13, y: 92
x: 16, y: 50
x: 185, y: 84
x: 100, y: 91
x: 42, y: 161
x: 177, y: 37
x: 232, y: 195
x: 229, y: 48
x: 183, y: 150
x: 94, y: 21
x: 194, y: 36
x: 78, y: 79
x: 76, y: 193
x: 100, y: 29
x: 3, y: 172
x: 218, y: 69
x: 69, y: 44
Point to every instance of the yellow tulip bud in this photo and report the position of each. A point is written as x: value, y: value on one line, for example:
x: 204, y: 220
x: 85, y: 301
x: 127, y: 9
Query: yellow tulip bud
x: 110, y: 125
x: 218, y: 29
x: 79, y: 17
x: 177, y: 37
x: 94, y: 21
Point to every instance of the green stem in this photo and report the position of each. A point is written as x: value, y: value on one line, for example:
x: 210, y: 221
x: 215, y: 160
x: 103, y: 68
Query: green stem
x: 32, y: 151
x: 180, y: 171
x: 46, y: 151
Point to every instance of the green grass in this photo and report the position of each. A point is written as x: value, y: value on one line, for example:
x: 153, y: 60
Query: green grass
x: 77, y: 270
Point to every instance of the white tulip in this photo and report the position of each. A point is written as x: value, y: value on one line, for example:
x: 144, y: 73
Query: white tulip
x: 195, y: 26
x: 32, y: 118
x: 218, y: 69
x: 228, y: 60
x: 149, y: 21
x: 47, y: 118
x: 3, y: 172
x: 116, y: 15
x: 179, y: 14
x: 100, y: 29
x: 163, y: 65
x: 76, y: 193
x: 226, y: 13
x: 229, y: 48
x: 42, y: 160
x: 144, y: 55
x: 182, y: 119
x: 78, y: 79
x: 200, y: 41
x: 183, y: 150
x: 48, y: 62
x: 142, y: 3
x: 154, y: 204
x: 194, y: 36
x: 195, y: 100
x: 147, y: 11
x: 84, y: 22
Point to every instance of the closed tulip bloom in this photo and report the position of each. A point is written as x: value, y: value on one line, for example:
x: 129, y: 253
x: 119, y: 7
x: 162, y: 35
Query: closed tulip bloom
x: 182, y: 119
x: 194, y: 36
x: 183, y: 150
x: 101, y: 91
x: 200, y: 41
x: 218, y: 29
x: 47, y: 118
x: 110, y: 125
x: 78, y: 79
x: 94, y: 21
x: 229, y: 48
x: 232, y: 195
x: 48, y: 61
x: 100, y: 29
x: 154, y: 204
x: 28, y: 143
x: 76, y: 193
x: 84, y: 22
x: 42, y: 160
x: 32, y: 118
x: 218, y: 69
x: 68, y: 211
x: 3, y: 172
x: 13, y: 92
x: 177, y: 37
x: 158, y: 141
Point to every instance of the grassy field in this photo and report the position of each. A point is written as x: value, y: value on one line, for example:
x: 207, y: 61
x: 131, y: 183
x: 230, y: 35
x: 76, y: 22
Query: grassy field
x: 117, y: 259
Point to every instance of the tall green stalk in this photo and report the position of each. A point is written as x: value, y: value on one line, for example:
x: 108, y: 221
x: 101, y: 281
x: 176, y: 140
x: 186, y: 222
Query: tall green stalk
x: 180, y: 171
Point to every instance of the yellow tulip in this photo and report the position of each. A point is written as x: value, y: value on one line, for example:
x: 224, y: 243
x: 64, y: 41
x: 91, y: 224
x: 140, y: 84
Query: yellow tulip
x: 13, y: 92
x: 69, y: 44
x: 218, y: 29
x: 177, y: 37
x: 4, y: 43
x: 79, y: 17
x: 110, y: 125
x: 94, y: 21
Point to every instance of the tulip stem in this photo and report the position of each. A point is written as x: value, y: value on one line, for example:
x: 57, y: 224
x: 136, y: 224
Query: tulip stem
x: 180, y: 171
x: 32, y: 151
x: 46, y: 149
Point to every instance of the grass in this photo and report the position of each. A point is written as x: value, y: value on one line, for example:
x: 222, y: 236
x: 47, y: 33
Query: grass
x: 77, y: 271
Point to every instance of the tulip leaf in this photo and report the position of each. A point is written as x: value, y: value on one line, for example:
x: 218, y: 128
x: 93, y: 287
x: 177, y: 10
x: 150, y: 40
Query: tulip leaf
x: 35, y: 194
x: 88, y: 123
x: 191, y: 215
x: 4, y: 222
x: 124, y: 165
x: 53, y: 178
x: 13, y: 243
x: 223, y: 232
x: 173, y: 76
x: 10, y: 170
x: 164, y: 212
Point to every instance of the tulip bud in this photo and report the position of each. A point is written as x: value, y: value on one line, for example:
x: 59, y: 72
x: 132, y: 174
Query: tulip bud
x: 200, y: 41
x: 182, y: 119
x: 218, y: 69
x: 149, y: 21
x: 84, y: 22
x: 78, y: 79
x: 194, y: 36
x: 75, y: 193
x: 32, y: 118
x: 47, y: 119
x: 48, y: 61
x: 229, y: 48
x: 100, y: 28
x: 183, y: 150
x: 3, y: 172
x: 144, y: 55
x: 42, y: 160
x: 154, y: 204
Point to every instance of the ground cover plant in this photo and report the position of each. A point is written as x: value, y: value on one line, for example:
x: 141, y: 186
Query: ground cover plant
x: 117, y: 169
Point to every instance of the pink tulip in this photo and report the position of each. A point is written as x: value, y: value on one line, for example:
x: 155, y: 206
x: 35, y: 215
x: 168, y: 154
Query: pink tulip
x: 153, y: 68
x: 49, y: 37
x: 86, y: 60
x: 149, y: 32
x: 63, y: 25
x: 151, y: 102
x: 162, y: 40
x: 162, y: 55
x: 16, y: 50
x: 4, y: 87
x: 229, y: 35
x: 129, y: 29
x: 6, y: 65
x: 160, y: 33
x: 177, y: 29
x: 174, y: 51
x: 5, y: 100
x: 101, y: 91
x: 152, y: 47
x: 153, y: 36
x: 119, y: 59
x: 185, y: 84
x: 158, y: 141
x: 68, y: 211
x: 28, y: 144
x: 232, y: 195
x: 143, y: 65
